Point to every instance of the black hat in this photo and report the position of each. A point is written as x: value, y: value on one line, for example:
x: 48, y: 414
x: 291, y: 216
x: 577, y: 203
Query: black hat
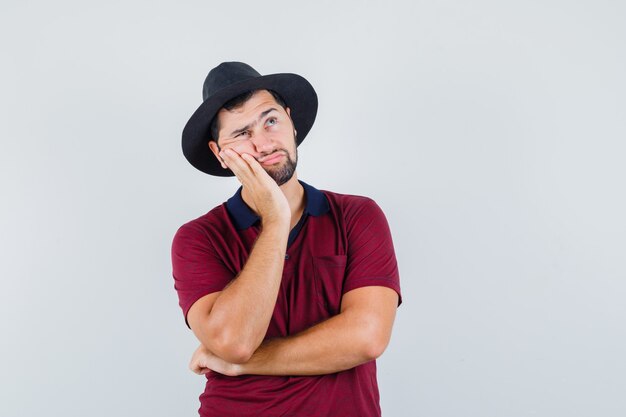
x: 228, y: 80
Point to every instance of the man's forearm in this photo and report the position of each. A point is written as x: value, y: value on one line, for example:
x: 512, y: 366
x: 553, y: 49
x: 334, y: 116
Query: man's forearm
x: 334, y: 345
x: 238, y: 320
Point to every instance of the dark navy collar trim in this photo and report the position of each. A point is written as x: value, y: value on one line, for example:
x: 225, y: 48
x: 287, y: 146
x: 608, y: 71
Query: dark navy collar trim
x: 316, y: 201
x: 244, y: 217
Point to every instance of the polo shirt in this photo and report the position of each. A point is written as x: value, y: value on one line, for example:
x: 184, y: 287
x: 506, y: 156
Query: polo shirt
x: 342, y: 242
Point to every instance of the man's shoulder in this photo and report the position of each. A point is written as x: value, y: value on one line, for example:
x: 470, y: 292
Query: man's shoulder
x: 214, y: 221
x: 353, y: 208
x: 348, y: 201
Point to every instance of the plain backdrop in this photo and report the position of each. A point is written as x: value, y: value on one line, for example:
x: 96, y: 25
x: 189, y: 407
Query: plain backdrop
x: 492, y: 134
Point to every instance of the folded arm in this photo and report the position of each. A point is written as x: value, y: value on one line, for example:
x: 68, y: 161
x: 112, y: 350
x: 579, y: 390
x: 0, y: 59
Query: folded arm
x: 358, y: 334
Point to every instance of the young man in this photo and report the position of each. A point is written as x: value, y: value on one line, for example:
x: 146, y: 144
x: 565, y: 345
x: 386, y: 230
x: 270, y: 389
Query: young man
x: 290, y: 290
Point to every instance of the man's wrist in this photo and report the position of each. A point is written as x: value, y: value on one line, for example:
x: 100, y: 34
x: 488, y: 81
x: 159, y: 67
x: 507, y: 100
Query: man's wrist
x: 275, y: 223
x: 238, y: 369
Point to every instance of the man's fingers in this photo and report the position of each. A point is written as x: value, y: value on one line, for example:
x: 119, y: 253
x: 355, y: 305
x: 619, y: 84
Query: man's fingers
x: 197, y: 369
x: 258, y: 170
x: 200, y: 371
x: 246, y: 168
x: 253, y: 164
x: 235, y: 163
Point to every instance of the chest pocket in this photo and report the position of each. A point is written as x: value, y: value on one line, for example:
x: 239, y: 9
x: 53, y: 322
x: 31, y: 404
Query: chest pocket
x: 328, y: 273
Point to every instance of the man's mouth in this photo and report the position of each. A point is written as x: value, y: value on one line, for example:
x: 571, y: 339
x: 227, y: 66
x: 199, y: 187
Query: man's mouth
x: 272, y: 158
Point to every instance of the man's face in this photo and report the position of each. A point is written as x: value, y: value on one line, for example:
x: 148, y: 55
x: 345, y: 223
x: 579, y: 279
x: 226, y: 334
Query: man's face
x: 262, y: 128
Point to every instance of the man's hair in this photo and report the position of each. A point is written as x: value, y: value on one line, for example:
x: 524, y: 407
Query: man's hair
x: 238, y: 101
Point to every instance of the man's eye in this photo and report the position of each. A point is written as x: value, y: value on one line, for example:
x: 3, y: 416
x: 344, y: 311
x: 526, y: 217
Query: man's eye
x: 271, y: 122
x: 242, y: 134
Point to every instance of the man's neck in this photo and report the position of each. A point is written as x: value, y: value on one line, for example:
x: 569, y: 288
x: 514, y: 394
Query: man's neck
x: 293, y: 191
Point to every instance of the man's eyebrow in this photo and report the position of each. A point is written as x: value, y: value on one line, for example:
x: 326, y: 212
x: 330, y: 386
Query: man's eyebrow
x: 262, y: 115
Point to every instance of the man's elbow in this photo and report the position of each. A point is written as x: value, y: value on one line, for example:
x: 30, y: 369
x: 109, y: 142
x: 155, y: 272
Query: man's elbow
x: 374, y: 348
x: 234, y: 353
x: 375, y: 340
x: 230, y: 348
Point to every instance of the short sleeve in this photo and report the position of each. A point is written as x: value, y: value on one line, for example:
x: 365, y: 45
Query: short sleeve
x: 196, y: 267
x: 371, y: 258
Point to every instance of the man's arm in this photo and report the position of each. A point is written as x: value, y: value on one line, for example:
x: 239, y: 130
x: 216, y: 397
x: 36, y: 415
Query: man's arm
x: 358, y: 334
x: 232, y: 323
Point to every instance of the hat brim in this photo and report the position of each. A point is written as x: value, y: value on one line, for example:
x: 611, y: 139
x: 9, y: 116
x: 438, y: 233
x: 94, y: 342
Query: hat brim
x: 295, y: 90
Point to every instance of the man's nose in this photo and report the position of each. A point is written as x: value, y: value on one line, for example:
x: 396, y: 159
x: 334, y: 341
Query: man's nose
x: 262, y: 142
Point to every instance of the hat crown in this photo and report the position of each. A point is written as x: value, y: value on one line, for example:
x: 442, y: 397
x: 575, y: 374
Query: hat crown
x: 226, y: 74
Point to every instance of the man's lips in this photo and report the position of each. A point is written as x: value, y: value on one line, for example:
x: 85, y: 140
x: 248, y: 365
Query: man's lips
x: 273, y: 158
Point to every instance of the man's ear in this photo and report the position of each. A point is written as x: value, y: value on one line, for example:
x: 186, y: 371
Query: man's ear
x: 216, y: 151
x: 288, y: 110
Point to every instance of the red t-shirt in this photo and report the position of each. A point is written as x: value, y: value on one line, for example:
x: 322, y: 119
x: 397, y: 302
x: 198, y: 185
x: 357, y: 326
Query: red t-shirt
x: 343, y: 243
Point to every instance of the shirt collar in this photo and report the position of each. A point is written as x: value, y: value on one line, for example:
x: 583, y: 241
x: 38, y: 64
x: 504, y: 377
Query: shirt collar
x: 244, y: 217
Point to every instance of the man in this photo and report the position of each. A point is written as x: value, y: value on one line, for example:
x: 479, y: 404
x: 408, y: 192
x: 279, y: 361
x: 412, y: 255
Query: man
x: 290, y: 290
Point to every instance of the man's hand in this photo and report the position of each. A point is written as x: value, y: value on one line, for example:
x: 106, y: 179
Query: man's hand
x: 269, y: 200
x: 203, y: 361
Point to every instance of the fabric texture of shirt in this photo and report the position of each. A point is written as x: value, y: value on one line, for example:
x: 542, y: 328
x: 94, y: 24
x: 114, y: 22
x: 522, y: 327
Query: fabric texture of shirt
x: 342, y: 242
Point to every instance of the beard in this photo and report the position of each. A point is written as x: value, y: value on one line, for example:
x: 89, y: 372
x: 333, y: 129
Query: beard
x: 283, y: 173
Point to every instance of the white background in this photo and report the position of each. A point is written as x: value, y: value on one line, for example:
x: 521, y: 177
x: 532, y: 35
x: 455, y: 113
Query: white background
x: 491, y: 133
